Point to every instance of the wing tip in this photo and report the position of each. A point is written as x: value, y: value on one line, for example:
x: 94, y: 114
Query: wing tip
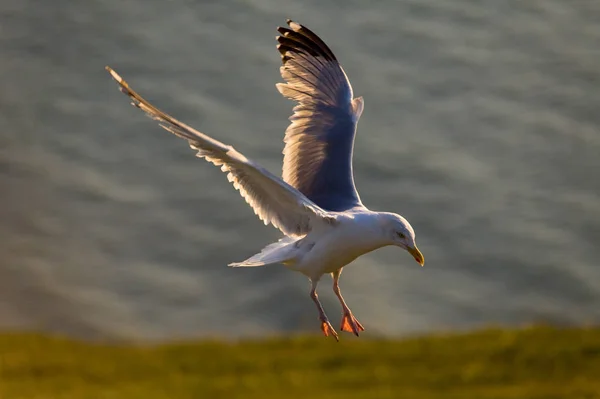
x: 294, y: 25
x: 114, y: 74
x: 300, y: 39
x: 123, y: 86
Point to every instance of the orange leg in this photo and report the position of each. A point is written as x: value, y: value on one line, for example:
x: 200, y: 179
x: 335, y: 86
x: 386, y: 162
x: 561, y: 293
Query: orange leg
x: 349, y: 322
x: 325, y: 324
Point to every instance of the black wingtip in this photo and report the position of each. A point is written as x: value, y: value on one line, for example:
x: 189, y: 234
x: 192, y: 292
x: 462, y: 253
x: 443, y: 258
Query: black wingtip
x: 301, y: 39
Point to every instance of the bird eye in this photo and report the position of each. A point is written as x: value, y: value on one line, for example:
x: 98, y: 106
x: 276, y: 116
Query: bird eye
x: 401, y: 235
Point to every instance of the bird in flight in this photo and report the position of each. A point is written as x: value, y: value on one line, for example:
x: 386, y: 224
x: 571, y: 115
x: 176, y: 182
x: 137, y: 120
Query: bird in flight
x: 315, y: 203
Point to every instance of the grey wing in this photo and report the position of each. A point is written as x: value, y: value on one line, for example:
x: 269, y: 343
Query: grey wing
x: 273, y: 200
x: 320, y: 139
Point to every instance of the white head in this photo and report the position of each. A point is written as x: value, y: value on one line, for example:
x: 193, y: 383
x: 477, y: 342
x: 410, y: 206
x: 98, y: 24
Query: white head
x: 400, y: 233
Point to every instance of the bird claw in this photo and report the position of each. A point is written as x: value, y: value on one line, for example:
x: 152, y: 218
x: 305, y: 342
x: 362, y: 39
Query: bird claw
x: 351, y: 324
x: 328, y: 330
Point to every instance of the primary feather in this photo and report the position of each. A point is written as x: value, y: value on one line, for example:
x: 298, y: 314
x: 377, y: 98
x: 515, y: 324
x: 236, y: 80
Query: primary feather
x: 320, y: 139
x: 273, y: 200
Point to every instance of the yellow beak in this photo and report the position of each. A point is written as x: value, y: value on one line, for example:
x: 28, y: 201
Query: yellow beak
x: 417, y: 255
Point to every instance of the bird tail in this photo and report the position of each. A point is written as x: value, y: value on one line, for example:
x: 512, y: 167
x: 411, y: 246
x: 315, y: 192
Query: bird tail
x: 283, y: 251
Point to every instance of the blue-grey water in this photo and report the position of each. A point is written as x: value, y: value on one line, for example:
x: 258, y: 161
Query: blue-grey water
x: 481, y: 126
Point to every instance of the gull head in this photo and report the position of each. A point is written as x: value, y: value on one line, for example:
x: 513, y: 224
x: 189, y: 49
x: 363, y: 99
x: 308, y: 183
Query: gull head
x: 401, y: 234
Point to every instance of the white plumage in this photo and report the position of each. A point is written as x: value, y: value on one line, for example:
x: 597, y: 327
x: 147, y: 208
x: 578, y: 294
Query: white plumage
x: 315, y: 205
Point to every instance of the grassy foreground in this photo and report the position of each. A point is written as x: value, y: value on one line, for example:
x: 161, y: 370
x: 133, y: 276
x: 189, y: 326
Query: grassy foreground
x: 538, y: 362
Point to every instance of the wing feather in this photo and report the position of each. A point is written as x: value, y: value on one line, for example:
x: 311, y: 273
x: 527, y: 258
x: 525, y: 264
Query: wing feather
x: 273, y: 200
x: 320, y: 139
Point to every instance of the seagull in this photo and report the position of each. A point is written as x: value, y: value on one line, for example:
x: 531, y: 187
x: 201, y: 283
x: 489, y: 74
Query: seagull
x: 314, y: 204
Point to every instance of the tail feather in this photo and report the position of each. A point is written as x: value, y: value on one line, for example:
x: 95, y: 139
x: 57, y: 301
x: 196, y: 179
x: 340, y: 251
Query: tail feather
x: 282, y: 251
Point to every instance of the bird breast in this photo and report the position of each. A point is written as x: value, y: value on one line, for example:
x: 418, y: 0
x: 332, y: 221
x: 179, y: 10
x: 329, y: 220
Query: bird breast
x: 339, y: 245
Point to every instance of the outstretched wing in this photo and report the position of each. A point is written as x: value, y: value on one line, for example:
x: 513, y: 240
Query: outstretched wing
x: 319, y: 141
x: 273, y: 200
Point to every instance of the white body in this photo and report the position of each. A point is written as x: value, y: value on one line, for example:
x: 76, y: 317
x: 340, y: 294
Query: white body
x: 328, y: 247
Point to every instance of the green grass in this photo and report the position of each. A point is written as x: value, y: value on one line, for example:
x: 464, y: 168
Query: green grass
x: 538, y: 362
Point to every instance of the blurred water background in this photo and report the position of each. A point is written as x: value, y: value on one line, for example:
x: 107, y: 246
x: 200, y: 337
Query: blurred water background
x: 481, y: 127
